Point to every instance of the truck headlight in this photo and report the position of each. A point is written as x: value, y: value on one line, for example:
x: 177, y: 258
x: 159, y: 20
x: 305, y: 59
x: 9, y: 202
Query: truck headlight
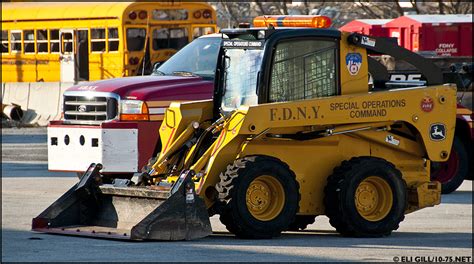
x: 133, y: 110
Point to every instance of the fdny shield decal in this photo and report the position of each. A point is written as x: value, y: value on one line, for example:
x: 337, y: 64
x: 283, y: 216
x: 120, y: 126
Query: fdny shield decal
x: 353, y: 62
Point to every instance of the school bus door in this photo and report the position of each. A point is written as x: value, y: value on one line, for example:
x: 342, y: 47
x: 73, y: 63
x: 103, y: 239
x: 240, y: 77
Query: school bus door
x: 66, y: 57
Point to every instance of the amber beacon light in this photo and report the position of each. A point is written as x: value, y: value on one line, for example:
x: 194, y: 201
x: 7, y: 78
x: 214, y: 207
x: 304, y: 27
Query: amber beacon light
x: 292, y: 21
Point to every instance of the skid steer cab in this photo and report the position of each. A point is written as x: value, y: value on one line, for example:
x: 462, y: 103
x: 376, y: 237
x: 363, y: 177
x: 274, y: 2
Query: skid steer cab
x: 292, y: 133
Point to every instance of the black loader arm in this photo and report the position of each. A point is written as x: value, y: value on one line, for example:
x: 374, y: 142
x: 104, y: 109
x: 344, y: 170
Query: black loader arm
x: 378, y: 71
x: 432, y: 73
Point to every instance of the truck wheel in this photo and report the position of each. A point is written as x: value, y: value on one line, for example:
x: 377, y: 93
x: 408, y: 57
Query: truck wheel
x: 451, y: 173
x: 260, y: 197
x: 365, y: 197
x: 301, y: 222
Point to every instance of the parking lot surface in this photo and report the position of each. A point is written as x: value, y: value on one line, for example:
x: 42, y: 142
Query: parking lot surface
x: 443, y: 232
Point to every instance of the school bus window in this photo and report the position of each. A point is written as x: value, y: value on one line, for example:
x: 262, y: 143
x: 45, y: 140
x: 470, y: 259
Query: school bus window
x: 176, y: 14
x: 136, y: 39
x: 42, y: 41
x: 98, y: 39
x: 15, y: 38
x: 200, y: 31
x: 4, y: 41
x: 67, y: 42
x: 54, y: 40
x: 173, y: 38
x: 113, y: 39
x: 29, y: 41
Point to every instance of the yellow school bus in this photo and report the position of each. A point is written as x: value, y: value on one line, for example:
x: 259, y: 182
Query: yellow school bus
x: 86, y: 41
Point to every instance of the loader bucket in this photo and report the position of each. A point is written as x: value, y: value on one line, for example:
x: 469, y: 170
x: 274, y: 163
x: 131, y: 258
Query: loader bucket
x: 91, y: 208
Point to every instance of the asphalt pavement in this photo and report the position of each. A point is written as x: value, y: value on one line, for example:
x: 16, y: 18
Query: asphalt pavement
x: 442, y: 232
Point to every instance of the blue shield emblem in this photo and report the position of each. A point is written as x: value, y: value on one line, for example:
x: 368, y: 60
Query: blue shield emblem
x: 353, y: 62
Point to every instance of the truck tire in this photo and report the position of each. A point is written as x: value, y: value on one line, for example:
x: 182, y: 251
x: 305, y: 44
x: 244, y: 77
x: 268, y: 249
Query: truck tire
x: 365, y: 197
x: 260, y: 197
x: 452, y: 173
x: 301, y: 222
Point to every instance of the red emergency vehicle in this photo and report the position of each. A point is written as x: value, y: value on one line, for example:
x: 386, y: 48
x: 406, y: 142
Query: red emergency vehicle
x: 371, y: 27
x: 115, y: 122
x: 436, y: 35
x: 447, y: 41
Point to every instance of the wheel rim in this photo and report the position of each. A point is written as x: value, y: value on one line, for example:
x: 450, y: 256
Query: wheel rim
x: 445, y: 171
x: 373, y: 198
x: 265, y: 198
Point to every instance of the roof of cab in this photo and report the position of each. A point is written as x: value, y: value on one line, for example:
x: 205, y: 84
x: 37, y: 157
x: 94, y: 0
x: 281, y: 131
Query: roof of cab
x: 288, y: 31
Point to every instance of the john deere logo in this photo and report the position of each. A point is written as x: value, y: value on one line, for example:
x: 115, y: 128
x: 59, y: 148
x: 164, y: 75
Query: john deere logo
x: 82, y: 108
x: 437, y: 132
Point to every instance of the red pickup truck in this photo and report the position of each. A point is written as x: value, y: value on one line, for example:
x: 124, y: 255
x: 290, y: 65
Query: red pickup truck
x: 115, y: 122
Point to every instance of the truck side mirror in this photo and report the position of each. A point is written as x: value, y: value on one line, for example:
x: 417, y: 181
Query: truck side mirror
x: 157, y: 65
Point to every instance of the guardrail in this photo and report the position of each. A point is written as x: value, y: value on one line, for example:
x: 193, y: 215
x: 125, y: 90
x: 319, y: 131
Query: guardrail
x: 40, y: 101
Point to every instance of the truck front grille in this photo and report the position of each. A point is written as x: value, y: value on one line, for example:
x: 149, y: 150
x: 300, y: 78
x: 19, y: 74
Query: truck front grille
x: 87, y: 109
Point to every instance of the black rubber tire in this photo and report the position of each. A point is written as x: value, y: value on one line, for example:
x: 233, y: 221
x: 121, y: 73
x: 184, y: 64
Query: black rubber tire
x: 461, y: 172
x: 340, y: 202
x: 301, y: 222
x: 232, y: 189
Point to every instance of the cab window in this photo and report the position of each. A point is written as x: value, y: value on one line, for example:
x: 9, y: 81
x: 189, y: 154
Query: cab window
x: 166, y: 15
x: 136, y: 39
x: 302, y: 70
x: 15, y: 39
x: 54, y: 40
x: 113, y: 39
x: 98, y: 39
x: 170, y: 38
x: 200, y: 31
x: 67, y: 43
x: 29, y: 41
x: 42, y: 41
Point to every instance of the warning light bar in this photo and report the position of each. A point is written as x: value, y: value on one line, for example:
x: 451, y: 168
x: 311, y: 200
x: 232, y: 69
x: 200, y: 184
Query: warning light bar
x: 292, y: 21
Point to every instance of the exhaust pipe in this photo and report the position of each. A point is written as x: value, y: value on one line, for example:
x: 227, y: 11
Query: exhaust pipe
x: 13, y: 112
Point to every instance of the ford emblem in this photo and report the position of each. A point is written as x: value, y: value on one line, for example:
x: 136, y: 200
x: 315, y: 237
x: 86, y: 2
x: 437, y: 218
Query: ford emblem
x: 82, y: 108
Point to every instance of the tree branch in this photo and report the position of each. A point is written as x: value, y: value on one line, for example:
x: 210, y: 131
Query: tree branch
x: 413, y: 4
x: 399, y: 7
x: 441, y: 7
x: 368, y: 10
x: 262, y: 9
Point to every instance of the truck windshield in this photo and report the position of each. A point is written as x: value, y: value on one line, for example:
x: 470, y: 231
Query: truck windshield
x: 240, y: 81
x: 197, y: 58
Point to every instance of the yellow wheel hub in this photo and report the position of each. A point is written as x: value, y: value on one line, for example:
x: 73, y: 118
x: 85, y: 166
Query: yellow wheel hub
x: 373, y: 198
x: 265, y: 198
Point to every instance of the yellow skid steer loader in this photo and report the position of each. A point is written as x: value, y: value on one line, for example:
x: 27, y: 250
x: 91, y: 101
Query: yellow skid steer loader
x: 293, y: 132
